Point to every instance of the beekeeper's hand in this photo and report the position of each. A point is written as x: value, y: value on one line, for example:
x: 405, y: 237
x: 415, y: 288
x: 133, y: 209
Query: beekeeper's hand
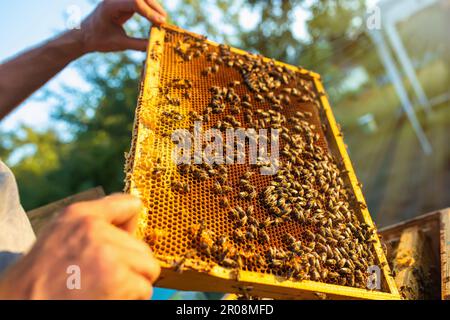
x: 103, y: 31
x: 88, y: 252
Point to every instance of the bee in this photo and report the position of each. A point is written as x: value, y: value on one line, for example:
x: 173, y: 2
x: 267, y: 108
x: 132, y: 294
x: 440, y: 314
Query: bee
x: 226, y: 189
x: 310, y: 234
x: 207, y: 71
x: 345, y: 271
x: 178, y: 265
x: 234, y: 214
x: 362, y: 205
x: 333, y: 275
x: 238, y: 235
x: 221, y: 240
x: 243, y: 195
x: 240, y: 211
x: 156, y: 172
x: 243, y: 221
x: 217, y: 188
x: 206, y: 242
x: 229, y: 263
x: 289, y: 238
x: 250, y: 210
x: 235, y: 109
x: 259, y: 98
x: 215, y: 90
x: 267, y: 223
x: 315, y: 275
x: 248, y: 175
x: 177, y: 186
x: 253, y: 230
x: 276, y: 263
x: 264, y: 236
x: 224, y: 203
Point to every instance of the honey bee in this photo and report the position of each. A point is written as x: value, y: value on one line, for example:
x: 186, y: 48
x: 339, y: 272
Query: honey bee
x: 229, y: 263
x: 217, y: 188
x: 362, y: 205
x: 243, y: 195
x: 259, y: 98
x: 264, y: 236
x: 289, y: 238
x: 177, y: 186
x: 178, y: 264
x: 224, y: 203
x: 234, y: 84
x: 226, y: 189
x: 276, y: 263
x: 240, y: 211
x: 345, y: 271
x: 238, y: 235
x: 253, y: 230
x: 207, y: 71
x: 243, y: 221
x: 267, y: 223
x: 310, y: 235
x: 235, y: 214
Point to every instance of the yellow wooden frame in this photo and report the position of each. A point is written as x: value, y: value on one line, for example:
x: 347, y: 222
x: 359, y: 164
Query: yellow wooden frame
x: 219, y: 279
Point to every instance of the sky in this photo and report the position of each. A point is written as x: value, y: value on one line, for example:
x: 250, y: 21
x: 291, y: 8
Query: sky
x: 27, y: 23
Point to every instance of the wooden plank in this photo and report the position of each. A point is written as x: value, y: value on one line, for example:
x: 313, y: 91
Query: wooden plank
x: 40, y: 217
x: 408, y: 259
x: 445, y: 254
x: 219, y: 279
x: 429, y: 225
x: 434, y: 267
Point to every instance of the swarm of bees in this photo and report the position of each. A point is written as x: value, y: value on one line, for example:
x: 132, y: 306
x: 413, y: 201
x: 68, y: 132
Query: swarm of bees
x: 327, y: 242
x: 190, y: 48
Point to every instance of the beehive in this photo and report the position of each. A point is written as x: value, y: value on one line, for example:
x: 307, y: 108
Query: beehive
x: 177, y: 83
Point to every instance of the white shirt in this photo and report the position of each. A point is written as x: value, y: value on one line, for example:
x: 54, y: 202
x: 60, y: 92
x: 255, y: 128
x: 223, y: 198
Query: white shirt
x: 16, y: 234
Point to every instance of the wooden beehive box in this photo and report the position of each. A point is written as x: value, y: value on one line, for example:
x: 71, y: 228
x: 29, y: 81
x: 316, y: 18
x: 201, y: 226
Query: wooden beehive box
x: 200, y: 246
x: 418, y: 250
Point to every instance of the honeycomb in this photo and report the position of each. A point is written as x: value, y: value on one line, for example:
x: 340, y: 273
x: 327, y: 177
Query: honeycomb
x: 180, y: 223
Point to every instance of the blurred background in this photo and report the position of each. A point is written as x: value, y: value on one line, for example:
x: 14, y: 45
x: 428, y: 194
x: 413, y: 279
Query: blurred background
x: 385, y: 65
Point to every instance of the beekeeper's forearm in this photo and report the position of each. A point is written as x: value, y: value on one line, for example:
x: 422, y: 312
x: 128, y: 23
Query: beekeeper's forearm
x: 22, y: 75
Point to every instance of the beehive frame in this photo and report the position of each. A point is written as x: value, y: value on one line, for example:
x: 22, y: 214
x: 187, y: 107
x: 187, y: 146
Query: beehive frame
x: 214, y: 277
